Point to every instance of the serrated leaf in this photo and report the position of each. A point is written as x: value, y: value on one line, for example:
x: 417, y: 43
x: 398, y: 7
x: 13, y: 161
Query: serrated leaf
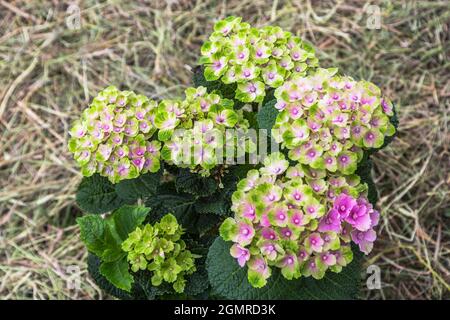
x: 197, y: 283
x: 141, y: 289
x: 182, y: 206
x: 96, y: 194
x: 267, y: 116
x: 93, y: 264
x: 92, y: 233
x: 229, y: 280
x: 143, y: 285
x: 214, y: 204
x: 177, y: 204
x: 195, y: 184
x: 103, y: 237
x: 140, y: 187
x: 117, y: 272
x: 364, y: 171
x: 127, y: 218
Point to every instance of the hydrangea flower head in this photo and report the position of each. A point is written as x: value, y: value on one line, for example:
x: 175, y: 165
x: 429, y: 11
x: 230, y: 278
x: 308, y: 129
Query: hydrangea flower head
x: 297, y: 219
x: 193, y: 129
x: 112, y: 137
x: 326, y: 121
x: 254, y: 58
x: 160, y: 249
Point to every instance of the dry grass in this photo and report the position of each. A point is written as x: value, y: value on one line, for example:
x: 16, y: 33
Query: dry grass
x: 49, y: 72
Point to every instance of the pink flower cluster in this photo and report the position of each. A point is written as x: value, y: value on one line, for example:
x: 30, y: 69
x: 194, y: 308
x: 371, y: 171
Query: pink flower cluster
x: 299, y: 220
x: 352, y: 216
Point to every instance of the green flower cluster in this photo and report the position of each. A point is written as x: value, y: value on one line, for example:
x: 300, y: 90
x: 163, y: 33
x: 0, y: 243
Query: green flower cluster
x: 326, y: 120
x: 254, y: 58
x: 160, y: 249
x: 298, y: 219
x: 112, y: 136
x: 193, y: 130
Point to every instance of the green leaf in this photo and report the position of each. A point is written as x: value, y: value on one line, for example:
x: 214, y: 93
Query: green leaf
x: 267, y: 116
x: 127, y: 218
x: 202, y: 224
x: 141, y: 289
x: 215, y: 204
x: 104, y: 237
x: 93, y: 264
x: 117, y: 273
x: 96, y: 194
x: 197, y: 283
x: 364, y: 171
x: 177, y: 204
x: 143, y: 286
x: 92, y: 233
x: 194, y: 183
x: 229, y: 280
x: 140, y: 187
x: 182, y: 206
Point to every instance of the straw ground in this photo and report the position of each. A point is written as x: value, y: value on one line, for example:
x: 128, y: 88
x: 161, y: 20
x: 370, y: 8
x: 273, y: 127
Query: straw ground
x: 52, y: 64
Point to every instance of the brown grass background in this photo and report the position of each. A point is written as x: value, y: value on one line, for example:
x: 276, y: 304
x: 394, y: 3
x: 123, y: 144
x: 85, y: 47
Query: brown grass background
x: 49, y: 72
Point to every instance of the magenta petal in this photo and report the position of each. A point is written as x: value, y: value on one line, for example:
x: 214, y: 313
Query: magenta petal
x: 269, y: 234
x: 370, y: 235
x: 374, y: 217
x: 264, y: 221
x: 363, y: 223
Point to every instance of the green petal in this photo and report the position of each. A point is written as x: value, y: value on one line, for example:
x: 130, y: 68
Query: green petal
x: 228, y: 229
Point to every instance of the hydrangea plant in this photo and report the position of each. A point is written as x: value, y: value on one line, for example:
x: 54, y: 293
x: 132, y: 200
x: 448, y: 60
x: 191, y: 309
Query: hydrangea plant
x: 294, y: 226
x: 254, y: 58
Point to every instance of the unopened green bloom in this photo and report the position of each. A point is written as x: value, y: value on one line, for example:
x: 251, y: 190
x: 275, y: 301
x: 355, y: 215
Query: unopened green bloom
x: 159, y: 249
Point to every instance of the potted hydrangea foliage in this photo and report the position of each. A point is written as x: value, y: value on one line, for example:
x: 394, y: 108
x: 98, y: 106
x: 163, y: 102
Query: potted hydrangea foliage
x: 187, y: 198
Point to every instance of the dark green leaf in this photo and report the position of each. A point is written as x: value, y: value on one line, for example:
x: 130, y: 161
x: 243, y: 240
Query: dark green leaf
x: 140, y: 187
x: 141, y: 289
x: 96, y: 194
x: 364, y: 171
x: 177, y: 204
x: 267, y: 116
x: 197, y: 283
x: 195, y: 184
x: 202, y: 223
x: 92, y: 233
x: 214, y: 204
x: 229, y: 280
x: 182, y: 206
x: 93, y: 263
x: 144, y: 285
